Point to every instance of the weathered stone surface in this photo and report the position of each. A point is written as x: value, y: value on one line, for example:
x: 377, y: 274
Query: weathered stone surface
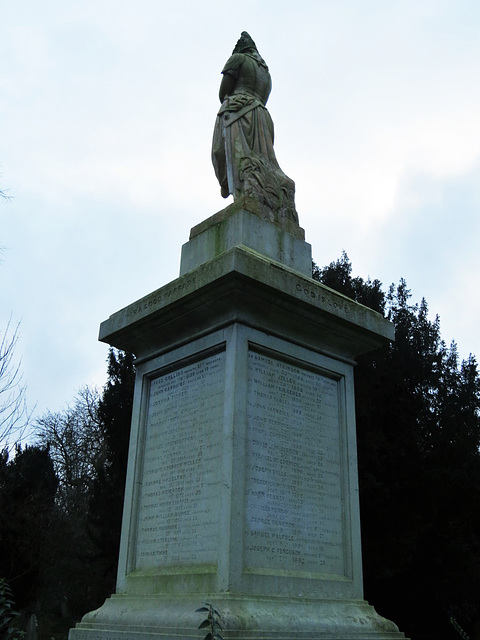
x: 294, y: 487
x: 242, y: 285
x: 245, y: 223
x: 171, y: 618
x: 245, y: 452
x: 179, y: 499
x: 242, y: 150
x: 242, y: 485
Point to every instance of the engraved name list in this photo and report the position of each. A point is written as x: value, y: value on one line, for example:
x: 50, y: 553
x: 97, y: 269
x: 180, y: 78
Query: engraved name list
x: 179, y: 497
x: 293, y: 492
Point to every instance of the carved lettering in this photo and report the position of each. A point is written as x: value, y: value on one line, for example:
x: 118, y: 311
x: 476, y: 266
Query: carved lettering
x: 293, y: 490
x: 160, y: 297
x: 179, y: 498
x: 326, y: 299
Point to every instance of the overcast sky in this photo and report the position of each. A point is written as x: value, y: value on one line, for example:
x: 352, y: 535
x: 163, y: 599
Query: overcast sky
x: 106, y: 117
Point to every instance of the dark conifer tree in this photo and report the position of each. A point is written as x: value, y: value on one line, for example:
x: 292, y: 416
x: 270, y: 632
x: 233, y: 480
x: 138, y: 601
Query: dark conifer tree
x: 106, y: 502
x: 418, y: 430
x: 27, y: 490
x: 89, y: 445
x: 338, y: 276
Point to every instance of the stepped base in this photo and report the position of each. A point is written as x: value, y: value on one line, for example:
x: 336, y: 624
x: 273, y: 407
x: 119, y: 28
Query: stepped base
x: 165, y: 618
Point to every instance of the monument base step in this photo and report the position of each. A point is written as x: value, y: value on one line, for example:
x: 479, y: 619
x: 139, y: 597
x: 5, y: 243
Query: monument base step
x: 125, y: 617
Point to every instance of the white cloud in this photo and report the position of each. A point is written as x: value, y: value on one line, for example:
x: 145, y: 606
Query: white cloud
x: 108, y: 110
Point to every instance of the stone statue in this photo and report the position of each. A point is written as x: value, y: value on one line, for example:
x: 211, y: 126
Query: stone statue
x: 242, y: 150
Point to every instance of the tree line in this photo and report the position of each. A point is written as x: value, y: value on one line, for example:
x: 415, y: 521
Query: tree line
x: 418, y: 431
x: 61, y: 502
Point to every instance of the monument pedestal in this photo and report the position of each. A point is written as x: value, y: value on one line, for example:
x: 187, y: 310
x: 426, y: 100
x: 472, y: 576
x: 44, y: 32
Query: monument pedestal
x: 242, y: 481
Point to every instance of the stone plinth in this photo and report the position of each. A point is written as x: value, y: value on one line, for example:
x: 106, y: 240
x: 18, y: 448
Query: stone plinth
x: 242, y: 481
x: 247, y: 223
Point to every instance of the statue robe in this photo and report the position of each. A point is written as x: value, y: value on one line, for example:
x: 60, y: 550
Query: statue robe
x: 242, y: 152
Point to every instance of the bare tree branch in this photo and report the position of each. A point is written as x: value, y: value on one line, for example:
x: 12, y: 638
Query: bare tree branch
x: 4, y: 195
x: 14, y: 414
x: 76, y: 445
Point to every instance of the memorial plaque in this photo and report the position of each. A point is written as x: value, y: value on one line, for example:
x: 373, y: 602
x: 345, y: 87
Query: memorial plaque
x: 179, y: 498
x: 293, y: 515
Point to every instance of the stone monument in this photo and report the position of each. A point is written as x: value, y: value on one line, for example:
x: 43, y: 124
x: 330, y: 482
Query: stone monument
x: 242, y: 149
x: 242, y: 480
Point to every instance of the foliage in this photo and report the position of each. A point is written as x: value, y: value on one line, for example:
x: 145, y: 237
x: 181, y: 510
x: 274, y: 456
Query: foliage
x: 213, y: 622
x: 76, y: 444
x: 458, y: 629
x: 27, y: 489
x: 338, y: 276
x: 88, y: 444
x: 8, y: 614
x: 105, y: 507
x: 418, y: 420
x: 61, y: 502
x: 418, y: 426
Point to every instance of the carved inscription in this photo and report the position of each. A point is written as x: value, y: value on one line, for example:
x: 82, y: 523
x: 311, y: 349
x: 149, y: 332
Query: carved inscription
x: 161, y: 296
x: 326, y: 299
x: 293, y: 515
x: 179, y: 498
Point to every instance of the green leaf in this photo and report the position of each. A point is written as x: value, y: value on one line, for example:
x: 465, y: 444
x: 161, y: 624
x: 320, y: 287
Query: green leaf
x: 204, y: 624
x: 202, y: 609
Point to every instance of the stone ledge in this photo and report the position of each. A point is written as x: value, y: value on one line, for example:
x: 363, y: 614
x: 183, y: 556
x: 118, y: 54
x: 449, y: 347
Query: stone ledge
x: 252, y: 205
x: 244, y: 286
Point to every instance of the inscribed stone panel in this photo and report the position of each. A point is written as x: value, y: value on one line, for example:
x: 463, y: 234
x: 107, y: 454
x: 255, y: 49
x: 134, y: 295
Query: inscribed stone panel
x: 294, y: 511
x: 179, y: 497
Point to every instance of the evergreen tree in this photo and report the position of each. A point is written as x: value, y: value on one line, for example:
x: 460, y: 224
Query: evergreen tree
x: 27, y: 490
x: 88, y: 442
x: 418, y: 430
x: 106, y: 501
x: 77, y: 448
x: 338, y: 276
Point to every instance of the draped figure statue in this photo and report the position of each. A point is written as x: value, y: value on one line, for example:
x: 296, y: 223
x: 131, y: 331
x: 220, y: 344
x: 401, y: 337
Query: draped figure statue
x: 242, y: 150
